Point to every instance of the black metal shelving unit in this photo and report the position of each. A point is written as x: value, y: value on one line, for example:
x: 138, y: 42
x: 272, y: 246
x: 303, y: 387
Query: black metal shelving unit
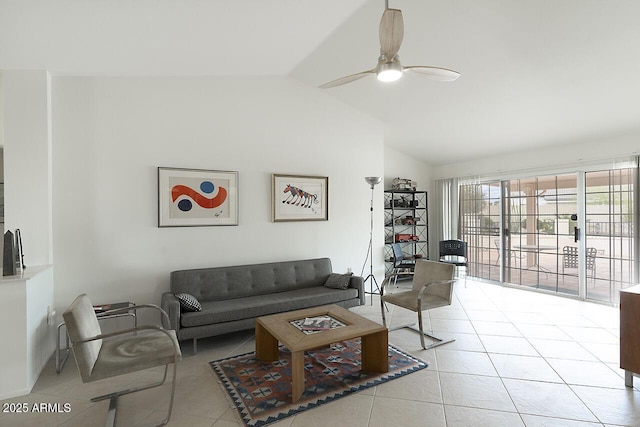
x: 406, y: 222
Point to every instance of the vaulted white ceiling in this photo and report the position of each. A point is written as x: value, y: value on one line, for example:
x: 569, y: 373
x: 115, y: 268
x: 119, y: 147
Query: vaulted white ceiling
x: 534, y: 73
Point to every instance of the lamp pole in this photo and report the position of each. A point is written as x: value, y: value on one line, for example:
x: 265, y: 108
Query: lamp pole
x: 372, y: 181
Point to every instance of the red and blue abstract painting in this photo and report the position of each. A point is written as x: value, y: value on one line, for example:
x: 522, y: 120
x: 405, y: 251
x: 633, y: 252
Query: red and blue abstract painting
x: 197, y: 197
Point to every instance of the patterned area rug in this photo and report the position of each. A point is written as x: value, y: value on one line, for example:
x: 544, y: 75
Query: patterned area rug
x: 262, y: 390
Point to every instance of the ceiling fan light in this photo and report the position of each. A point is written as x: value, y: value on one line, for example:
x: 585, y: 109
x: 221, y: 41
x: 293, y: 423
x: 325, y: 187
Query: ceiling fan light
x: 389, y: 71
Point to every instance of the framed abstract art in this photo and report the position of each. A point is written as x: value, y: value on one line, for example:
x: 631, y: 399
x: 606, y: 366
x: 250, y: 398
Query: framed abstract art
x: 197, y: 197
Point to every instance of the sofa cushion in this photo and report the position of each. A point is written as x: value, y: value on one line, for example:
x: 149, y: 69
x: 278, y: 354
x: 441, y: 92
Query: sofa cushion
x: 188, y: 302
x: 338, y: 281
x: 262, y: 305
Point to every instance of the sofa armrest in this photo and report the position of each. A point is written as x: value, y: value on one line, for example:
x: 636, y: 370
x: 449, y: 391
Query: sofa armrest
x: 357, y: 282
x: 171, y: 306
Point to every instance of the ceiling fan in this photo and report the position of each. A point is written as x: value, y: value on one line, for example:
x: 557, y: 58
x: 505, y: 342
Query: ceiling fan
x: 389, y: 68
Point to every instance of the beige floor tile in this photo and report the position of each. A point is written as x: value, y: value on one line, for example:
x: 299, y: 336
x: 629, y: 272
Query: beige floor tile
x: 590, y: 335
x: 96, y: 415
x: 562, y: 350
x: 421, y: 386
x: 615, y: 367
x: 406, y: 413
x: 231, y: 415
x: 579, y: 339
x: 580, y: 372
x: 602, y: 315
x: 487, y: 315
x: 177, y: 419
x: 202, y: 398
x: 409, y: 341
x: 479, y: 304
x: 612, y: 406
x: 225, y: 423
x: 495, y: 328
x: 527, y: 317
x: 507, y: 345
x: 354, y: 410
x: 428, y: 356
x: 570, y: 319
x: 408, y: 320
x: 547, y: 332
x: 538, y: 421
x: 452, y: 325
x: 448, y: 313
x: 373, y: 317
x: 464, y: 362
x: 458, y: 416
x: 464, y: 342
x: 475, y: 391
x: 614, y: 331
x: 547, y: 399
x: 524, y: 368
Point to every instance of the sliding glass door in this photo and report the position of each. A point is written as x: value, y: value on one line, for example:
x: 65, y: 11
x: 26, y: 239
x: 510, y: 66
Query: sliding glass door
x: 609, y: 232
x: 539, y: 230
x: 480, y: 210
x: 570, y: 233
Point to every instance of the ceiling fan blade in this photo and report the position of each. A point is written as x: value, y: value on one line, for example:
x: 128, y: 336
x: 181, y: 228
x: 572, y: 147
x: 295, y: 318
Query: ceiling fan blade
x: 435, y: 73
x: 346, y: 79
x: 391, y: 32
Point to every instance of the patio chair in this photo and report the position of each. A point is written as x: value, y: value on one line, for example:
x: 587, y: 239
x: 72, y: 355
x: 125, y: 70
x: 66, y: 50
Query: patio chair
x: 512, y: 253
x: 101, y: 356
x: 570, y: 260
x: 432, y: 288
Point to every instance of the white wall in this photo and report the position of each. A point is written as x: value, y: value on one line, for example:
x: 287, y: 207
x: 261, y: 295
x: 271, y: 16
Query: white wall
x: 401, y: 165
x: 27, y: 168
x: 25, y: 100
x: 23, y: 300
x: 111, y: 134
x: 569, y: 155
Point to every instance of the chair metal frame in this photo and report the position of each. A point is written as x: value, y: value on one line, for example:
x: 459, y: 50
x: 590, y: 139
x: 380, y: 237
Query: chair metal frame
x: 113, y: 404
x: 426, y: 287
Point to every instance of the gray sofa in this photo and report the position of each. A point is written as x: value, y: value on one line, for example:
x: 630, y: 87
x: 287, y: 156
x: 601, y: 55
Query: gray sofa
x: 233, y: 297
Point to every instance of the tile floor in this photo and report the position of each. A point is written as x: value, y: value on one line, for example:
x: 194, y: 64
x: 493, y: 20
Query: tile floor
x: 519, y: 359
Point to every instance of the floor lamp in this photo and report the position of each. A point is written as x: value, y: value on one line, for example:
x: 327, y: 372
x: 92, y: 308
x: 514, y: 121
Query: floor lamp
x: 372, y: 181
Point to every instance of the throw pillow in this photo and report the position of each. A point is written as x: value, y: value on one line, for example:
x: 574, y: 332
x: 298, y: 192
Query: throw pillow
x: 188, y: 302
x: 338, y: 281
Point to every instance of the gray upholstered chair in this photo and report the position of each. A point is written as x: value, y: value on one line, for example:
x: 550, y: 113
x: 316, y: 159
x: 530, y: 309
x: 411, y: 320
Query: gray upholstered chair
x: 100, y: 356
x: 432, y: 287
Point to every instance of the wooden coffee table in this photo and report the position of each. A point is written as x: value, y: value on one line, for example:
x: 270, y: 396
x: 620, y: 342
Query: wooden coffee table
x: 278, y: 328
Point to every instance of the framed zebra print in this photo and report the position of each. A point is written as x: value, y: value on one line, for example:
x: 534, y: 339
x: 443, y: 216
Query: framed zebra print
x: 197, y: 197
x: 300, y: 198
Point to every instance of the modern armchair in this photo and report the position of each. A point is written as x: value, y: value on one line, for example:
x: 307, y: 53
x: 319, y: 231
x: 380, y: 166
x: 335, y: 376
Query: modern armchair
x: 432, y: 287
x: 100, y: 356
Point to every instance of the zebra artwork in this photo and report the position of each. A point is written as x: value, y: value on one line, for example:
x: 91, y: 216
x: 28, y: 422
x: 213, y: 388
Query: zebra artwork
x: 299, y: 197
